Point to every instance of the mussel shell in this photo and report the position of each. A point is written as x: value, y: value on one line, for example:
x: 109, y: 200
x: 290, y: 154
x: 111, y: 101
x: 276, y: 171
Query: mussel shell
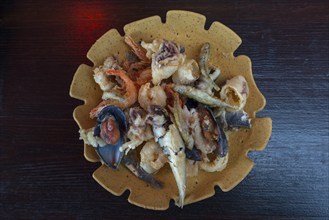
x: 191, y: 103
x: 222, y: 147
x: 194, y: 154
x: 110, y: 153
x: 237, y: 119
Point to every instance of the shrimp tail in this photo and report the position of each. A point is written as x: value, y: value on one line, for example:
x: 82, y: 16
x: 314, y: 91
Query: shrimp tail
x: 138, y: 50
x: 130, y: 97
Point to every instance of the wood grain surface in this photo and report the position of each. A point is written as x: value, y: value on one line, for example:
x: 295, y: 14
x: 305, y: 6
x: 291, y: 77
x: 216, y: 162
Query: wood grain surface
x: 43, y: 173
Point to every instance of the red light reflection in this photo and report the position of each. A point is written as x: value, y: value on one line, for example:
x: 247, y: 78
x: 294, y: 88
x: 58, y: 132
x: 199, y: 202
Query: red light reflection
x: 88, y: 22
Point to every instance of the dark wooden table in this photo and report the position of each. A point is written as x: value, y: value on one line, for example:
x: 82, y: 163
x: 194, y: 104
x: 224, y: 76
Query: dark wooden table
x: 43, y: 171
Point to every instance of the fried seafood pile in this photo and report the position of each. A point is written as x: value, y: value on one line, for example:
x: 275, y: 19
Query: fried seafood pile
x: 161, y: 107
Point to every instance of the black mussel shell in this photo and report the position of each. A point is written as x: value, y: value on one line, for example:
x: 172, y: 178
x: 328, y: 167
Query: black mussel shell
x: 237, y: 119
x: 194, y: 154
x: 110, y: 153
x: 222, y: 146
x: 191, y: 103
